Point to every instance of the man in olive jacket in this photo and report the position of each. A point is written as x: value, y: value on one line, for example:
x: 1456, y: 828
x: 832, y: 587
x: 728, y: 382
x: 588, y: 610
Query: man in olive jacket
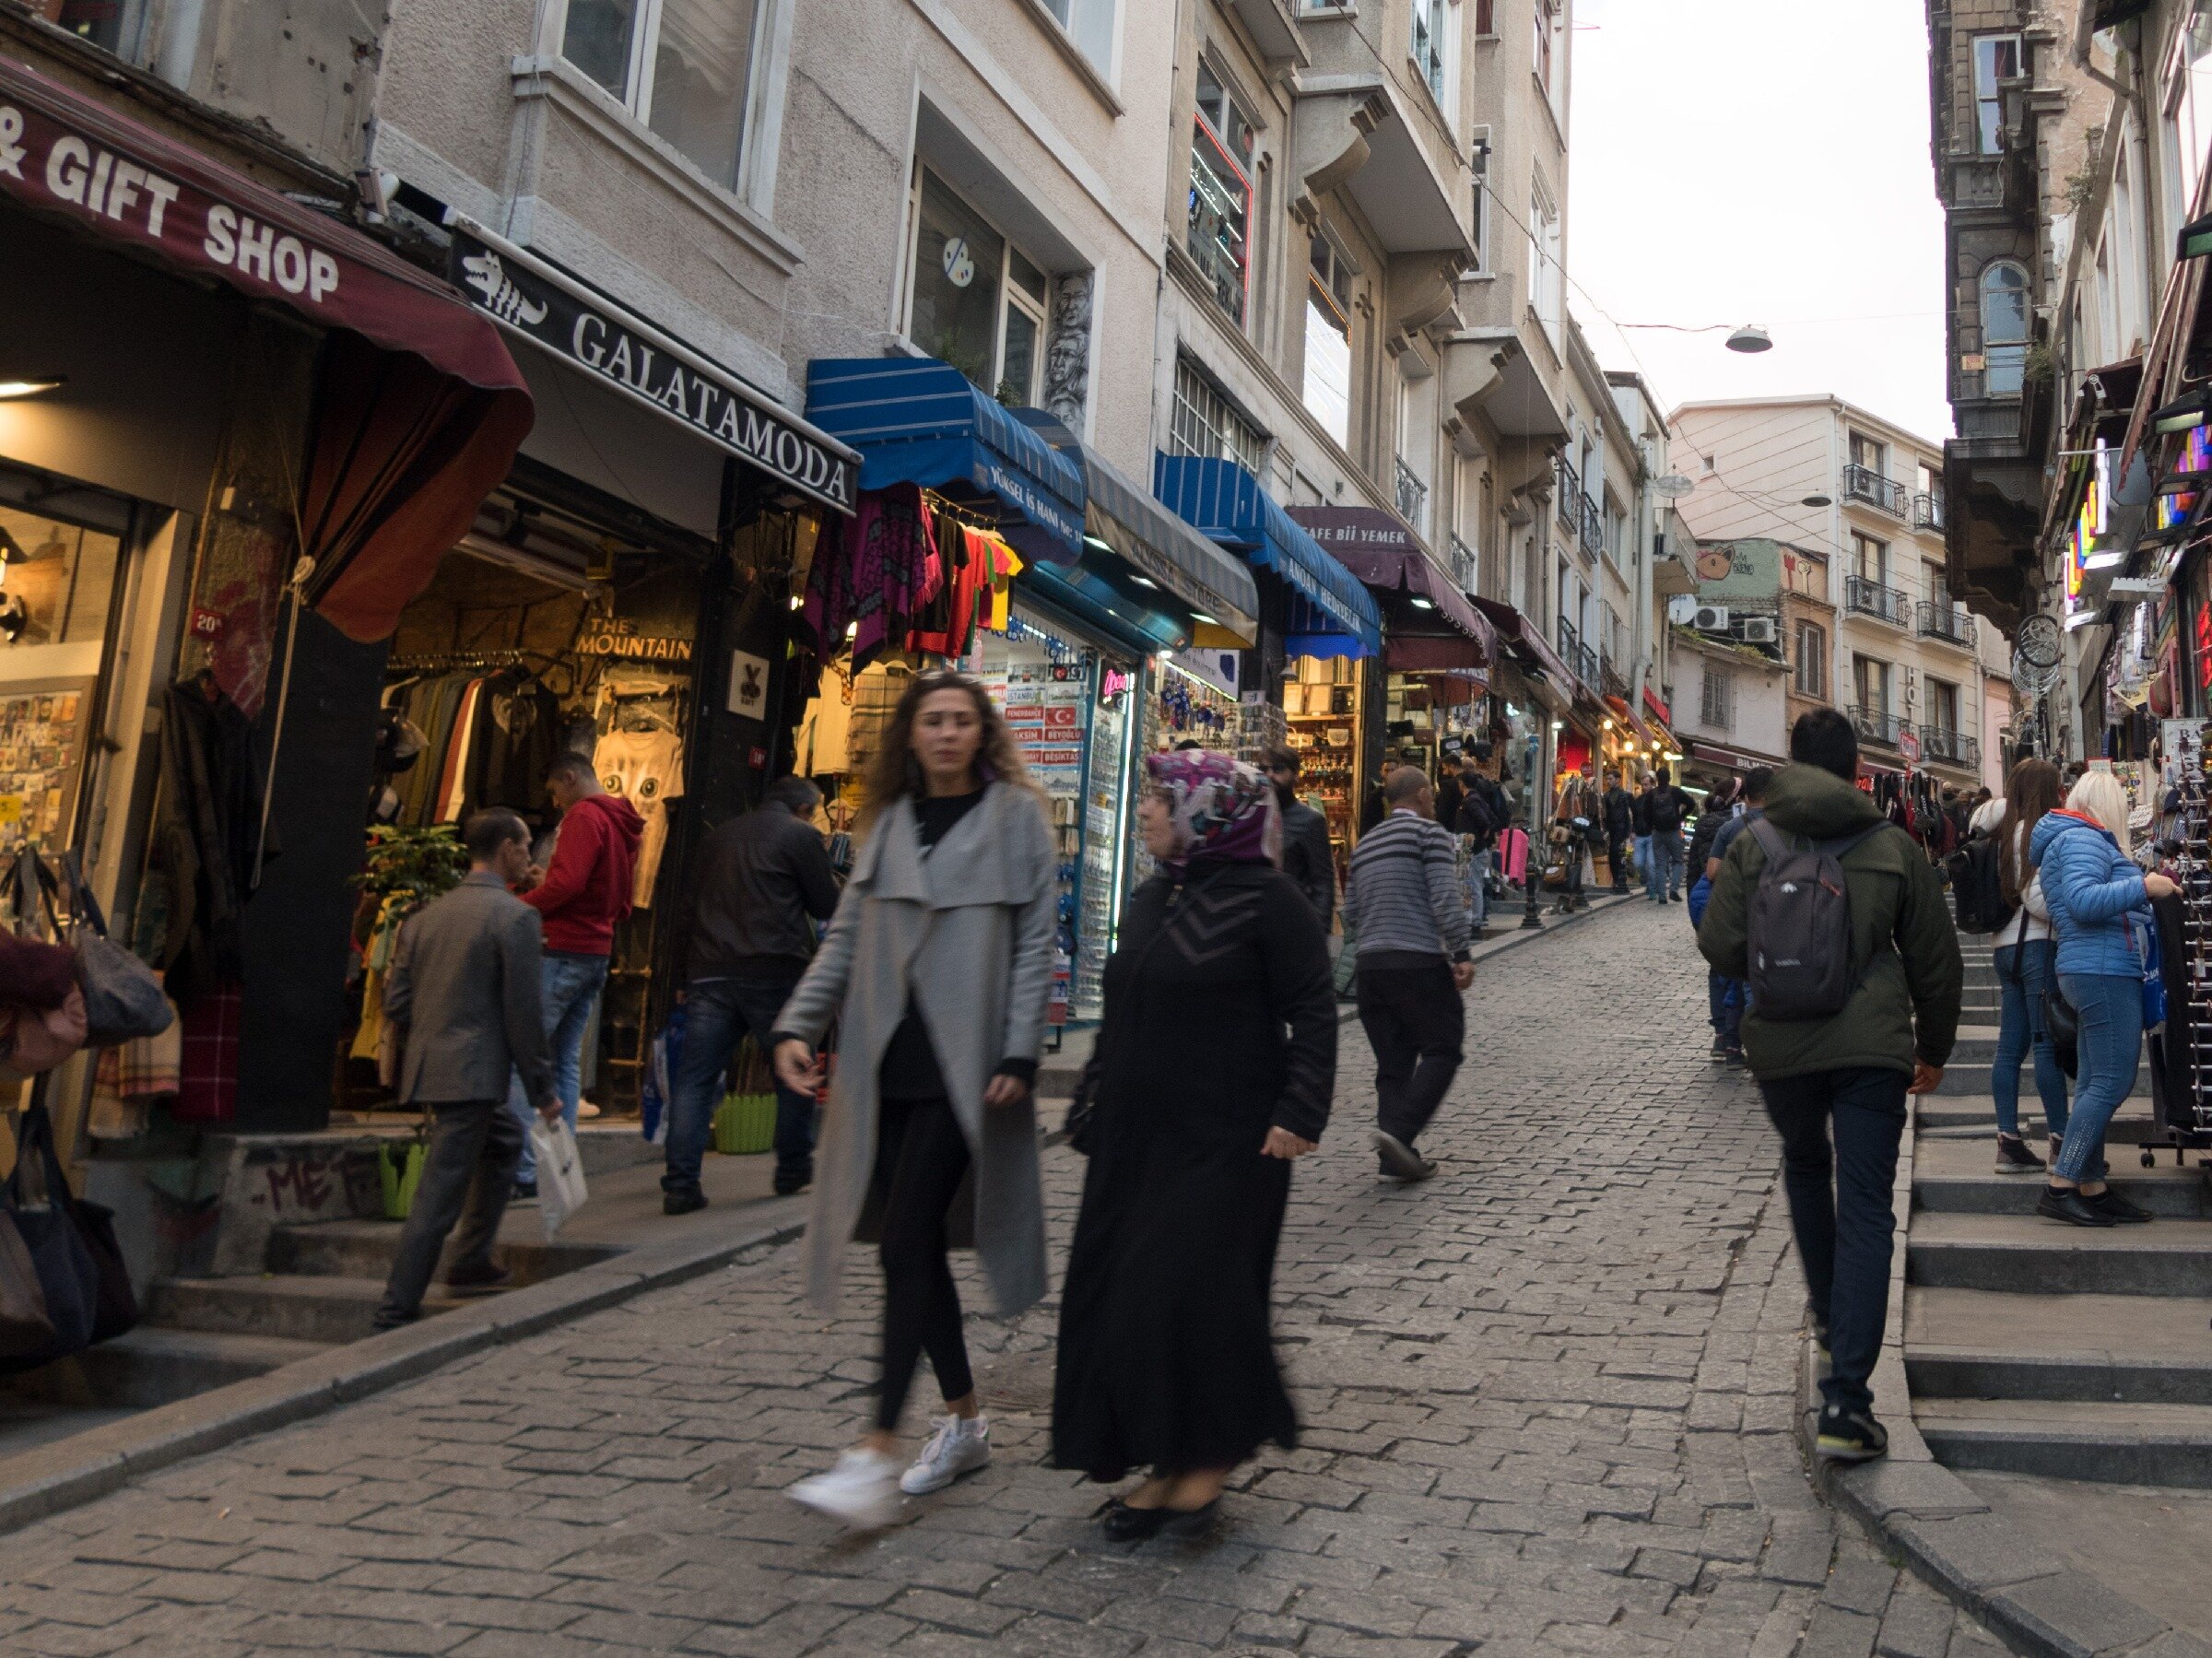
x: 1851, y: 1072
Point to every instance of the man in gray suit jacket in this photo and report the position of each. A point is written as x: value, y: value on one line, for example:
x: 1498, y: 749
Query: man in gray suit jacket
x: 465, y: 987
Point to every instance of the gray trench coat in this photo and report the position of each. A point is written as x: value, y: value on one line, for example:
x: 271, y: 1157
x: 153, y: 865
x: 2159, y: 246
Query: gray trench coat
x: 969, y: 929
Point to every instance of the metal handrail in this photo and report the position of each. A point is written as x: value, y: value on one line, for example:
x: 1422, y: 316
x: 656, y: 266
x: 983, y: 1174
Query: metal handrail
x: 1592, y: 527
x: 1951, y: 746
x: 1466, y: 568
x: 1871, y: 598
x: 1413, y: 496
x: 1927, y: 511
x: 1877, y: 725
x: 1863, y: 483
x: 1569, y: 492
x: 1946, y: 622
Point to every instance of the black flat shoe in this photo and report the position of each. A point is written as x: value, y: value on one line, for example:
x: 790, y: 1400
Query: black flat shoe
x: 1187, y: 1525
x: 2124, y: 1213
x: 1125, y: 1525
x: 2069, y: 1205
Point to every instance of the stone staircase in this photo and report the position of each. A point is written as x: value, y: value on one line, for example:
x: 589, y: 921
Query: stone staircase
x: 2035, y: 1347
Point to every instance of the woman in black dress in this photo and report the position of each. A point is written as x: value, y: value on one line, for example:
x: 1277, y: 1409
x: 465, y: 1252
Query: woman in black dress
x: 1213, y: 1071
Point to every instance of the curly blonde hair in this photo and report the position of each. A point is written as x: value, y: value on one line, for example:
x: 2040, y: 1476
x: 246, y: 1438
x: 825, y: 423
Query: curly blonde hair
x: 895, y: 773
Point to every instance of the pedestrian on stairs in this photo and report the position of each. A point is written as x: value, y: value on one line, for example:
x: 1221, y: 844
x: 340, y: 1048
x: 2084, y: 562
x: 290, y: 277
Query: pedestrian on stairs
x: 2023, y: 957
x: 1887, y: 962
x: 2096, y: 895
x: 465, y: 991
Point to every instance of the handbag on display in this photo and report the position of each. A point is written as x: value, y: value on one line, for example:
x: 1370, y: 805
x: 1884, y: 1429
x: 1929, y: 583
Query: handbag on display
x: 123, y: 1000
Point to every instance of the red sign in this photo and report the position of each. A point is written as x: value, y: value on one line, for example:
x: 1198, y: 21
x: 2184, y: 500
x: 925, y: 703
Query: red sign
x: 1909, y: 746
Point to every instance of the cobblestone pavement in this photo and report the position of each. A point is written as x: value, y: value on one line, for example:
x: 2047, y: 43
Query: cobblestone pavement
x: 1546, y: 1402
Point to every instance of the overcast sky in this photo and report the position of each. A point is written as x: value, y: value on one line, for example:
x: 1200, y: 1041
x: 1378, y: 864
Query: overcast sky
x: 1761, y: 161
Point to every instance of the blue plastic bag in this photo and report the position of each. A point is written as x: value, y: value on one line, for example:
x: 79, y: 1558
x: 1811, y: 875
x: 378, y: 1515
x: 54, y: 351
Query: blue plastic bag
x: 2154, y: 971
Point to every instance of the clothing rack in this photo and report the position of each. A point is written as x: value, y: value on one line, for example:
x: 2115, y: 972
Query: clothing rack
x: 439, y: 662
x: 2189, y: 1021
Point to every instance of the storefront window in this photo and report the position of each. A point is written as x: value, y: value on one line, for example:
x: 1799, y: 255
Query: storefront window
x: 1322, y: 706
x: 57, y: 582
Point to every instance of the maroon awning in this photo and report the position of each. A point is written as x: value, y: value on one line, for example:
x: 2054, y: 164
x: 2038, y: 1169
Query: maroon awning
x: 392, y: 483
x: 1377, y: 546
x: 1525, y: 641
x: 1735, y: 759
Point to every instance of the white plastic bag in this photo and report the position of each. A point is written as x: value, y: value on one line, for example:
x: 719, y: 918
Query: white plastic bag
x: 560, y: 1190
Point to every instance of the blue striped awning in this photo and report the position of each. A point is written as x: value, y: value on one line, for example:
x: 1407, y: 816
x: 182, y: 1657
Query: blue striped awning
x: 916, y: 420
x: 1331, y: 614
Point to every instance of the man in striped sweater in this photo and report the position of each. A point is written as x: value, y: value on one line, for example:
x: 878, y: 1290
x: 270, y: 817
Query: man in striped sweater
x: 1403, y: 902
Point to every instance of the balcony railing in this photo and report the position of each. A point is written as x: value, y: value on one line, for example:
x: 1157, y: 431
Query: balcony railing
x: 1570, y: 640
x: 1927, y: 511
x: 1610, y: 679
x: 1949, y: 747
x: 1871, y: 598
x: 1878, y: 726
x: 1466, y: 568
x: 1413, y: 499
x: 1567, y: 497
x: 1863, y: 483
x: 1593, y: 529
x: 1946, y: 622
x: 1586, y: 663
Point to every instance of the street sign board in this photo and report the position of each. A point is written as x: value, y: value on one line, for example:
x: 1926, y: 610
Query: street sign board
x: 1909, y: 746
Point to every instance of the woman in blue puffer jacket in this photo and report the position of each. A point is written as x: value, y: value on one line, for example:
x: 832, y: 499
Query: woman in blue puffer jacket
x: 2092, y: 888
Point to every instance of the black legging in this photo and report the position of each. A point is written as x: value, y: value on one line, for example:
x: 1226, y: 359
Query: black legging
x: 920, y: 1157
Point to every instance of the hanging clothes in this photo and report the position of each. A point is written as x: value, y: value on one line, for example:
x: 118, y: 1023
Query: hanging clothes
x: 211, y: 791
x: 882, y: 567
x: 646, y: 768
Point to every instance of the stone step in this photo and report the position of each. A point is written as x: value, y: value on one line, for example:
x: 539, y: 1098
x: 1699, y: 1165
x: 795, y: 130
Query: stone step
x: 2111, y: 1442
x: 1968, y: 1076
x: 281, y: 1304
x: 1960, y: 1177
x: 154, y: 1365
x: 1941, y: 1112
x: 2026, y: 1252
x: 363, y: 1249
x: 1973, y: 1344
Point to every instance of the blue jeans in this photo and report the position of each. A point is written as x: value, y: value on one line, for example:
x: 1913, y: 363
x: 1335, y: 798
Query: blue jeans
x: 2108, y: 1008
x: 1662, y: 869
x: 1478, y: 879
x: 2024, y: 973
x: 1845, y: 1235
x: 1725, y: 1004
x: 721, y: 1012
x: 571, y: 985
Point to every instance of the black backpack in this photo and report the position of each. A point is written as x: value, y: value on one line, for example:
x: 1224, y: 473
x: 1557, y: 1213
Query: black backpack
x: 1975, y: 885
x: 1800, y: 927
x: 1666, y: 811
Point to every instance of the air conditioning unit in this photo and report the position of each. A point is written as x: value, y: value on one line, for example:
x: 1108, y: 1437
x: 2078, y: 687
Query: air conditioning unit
x: 1759, y: 630
x: 1711, y: 619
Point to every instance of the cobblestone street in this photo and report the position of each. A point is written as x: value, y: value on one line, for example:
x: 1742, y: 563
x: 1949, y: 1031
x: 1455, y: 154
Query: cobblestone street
x: 1546, y: 1406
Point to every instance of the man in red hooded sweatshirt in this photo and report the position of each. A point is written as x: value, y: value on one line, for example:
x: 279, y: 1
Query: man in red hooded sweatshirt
x: 582, y: 892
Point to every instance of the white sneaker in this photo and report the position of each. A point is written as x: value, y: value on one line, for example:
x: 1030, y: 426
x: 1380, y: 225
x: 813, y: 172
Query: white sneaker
x: 586, y: 1110
x: 960, y: 1445
x: 862, y: 1491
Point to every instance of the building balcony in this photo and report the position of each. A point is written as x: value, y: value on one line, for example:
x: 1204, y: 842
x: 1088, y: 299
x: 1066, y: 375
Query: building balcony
x: 1570, y: 640
x: 1949, y: 747
x: 1927, y: 511
x: 1413, y: 497
x: 1567, y: 500
x: 1863, y: 484
x: 1588, y: 665
x: 1946, y: 622
x: 1878, y: 726
x: 1591, y: 526
x: 1466, y: 568
x: 1871, y: 598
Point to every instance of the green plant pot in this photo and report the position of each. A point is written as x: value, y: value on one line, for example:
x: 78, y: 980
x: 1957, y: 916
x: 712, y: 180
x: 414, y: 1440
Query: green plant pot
x: 399, y: 1171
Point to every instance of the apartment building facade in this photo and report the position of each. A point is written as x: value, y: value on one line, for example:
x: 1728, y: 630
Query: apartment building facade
x: 1866, y: 497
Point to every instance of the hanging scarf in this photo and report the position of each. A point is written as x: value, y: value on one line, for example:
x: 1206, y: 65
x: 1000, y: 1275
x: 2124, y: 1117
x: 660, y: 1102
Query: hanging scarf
x: 1224, y: 811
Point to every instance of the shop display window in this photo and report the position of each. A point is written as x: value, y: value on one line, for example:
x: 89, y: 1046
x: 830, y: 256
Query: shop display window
x: 1322, y: 708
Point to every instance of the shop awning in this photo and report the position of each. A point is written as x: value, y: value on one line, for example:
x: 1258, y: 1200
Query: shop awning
x: 412, y: 431
x: 1378, y: 547
x: 1331, y: 614
x: 1154, y: 542
x: 1735, y: 759
x: 1622, y: 711
x: 1526, y: 642
x: 920, y: 421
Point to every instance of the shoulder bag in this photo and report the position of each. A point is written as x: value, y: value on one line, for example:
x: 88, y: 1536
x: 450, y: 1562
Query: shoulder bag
x: 123, y: 1001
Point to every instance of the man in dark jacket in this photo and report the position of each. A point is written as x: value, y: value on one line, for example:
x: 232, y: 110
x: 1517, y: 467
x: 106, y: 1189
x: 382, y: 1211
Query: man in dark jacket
x: 1849, y: 1074
x: 761, y: 882
x: 465, y: 990
x: 1666, y: 808
x: 1307, y: 859
x: 1619, y: 809
x: 1483, y: 811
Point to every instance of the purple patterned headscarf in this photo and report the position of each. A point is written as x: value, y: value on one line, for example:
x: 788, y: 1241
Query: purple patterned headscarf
x: 1224, y: 811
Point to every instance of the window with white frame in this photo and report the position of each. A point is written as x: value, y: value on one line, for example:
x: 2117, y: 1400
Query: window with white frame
x: 1716, y: 702
x: 1871, y: 558
x: 1870, y: 680
x: 1869, y: 455
x: 1997, y: 59
x: 1327, y: 390
x: 1812, y: 660
x: 2186, y: 134
x: 1415, y: 474
x: 1219, y: 237
x: 1548, y: 26
x: 1435, y: 27
x: 976, y: 300
x: 1090, y: 25
x: 683, y: 67
x: 1943, y: 708
x: 1204, y: 422
x: 1478, y: 220
x: 1546, y: 275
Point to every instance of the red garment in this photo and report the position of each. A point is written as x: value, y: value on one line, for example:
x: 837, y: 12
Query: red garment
x: 587, y: 885
x: 207, y: 1072
x: 33, y: 974
x: 969, y: 579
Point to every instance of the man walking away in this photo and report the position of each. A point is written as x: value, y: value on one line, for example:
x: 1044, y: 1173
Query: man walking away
x: 1727, y: 995
x: 581, y: 896
x: 761, y: 882
x: 1484, y: 815
x: 1889, y: 962
x: 1667, y: 807
x: 1639, y: 818
x: 464, y: 989
x: 1307, y: 858
x: 1619, y: 811
x: 1403, y: 902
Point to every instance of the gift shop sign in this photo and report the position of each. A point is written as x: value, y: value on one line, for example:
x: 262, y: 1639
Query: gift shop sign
x: 528, y: 297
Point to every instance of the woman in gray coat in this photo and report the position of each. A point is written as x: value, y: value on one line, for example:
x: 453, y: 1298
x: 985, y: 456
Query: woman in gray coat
x: 935, y: 968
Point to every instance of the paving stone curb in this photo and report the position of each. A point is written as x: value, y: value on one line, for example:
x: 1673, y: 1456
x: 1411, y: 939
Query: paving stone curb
x: 44, y: 1481
x: 1919, y: 1511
